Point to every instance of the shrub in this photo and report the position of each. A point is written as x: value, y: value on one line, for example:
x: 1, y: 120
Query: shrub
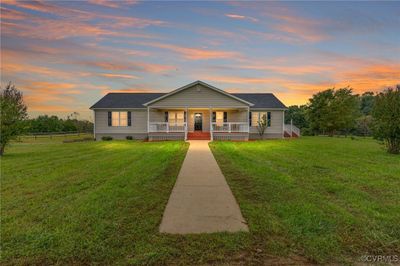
x: 106, y: 138
x: 129, y: 137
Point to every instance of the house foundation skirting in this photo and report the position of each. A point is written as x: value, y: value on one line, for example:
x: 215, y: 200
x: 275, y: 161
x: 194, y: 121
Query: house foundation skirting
x: 159, y: 136
x: 266, y: 136
x: 119, y: 136
x: 230, y: 136
x: 166, y: 136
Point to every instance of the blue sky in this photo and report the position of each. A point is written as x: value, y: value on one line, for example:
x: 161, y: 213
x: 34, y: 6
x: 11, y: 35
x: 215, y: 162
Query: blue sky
x: 65, y: 55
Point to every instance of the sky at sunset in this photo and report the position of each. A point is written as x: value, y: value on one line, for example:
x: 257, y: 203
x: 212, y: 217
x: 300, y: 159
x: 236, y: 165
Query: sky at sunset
x: 65, y: 55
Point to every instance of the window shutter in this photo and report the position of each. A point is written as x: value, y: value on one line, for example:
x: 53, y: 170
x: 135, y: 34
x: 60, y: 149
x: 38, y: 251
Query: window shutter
x: 269, y: 119
x: 225, y: 117
x: 129, y: 119
x: 109, y: 119
x: 250, y: 119
x: 166, y: 116
x: 184, y: 116
x: 214, y: 117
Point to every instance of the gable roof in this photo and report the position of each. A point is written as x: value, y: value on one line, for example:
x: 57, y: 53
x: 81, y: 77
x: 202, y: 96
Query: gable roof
x: 115, y: 100
x: 198, y: 82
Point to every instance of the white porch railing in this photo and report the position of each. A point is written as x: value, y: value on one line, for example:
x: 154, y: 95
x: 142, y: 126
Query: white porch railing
x: 229, y: 127
x: 167, y: 127
x: 290, y: 129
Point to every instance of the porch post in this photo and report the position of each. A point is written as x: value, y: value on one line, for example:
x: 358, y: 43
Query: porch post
x: 211, y: 126
x: 186, y: 125
x: 248, y: 119
x: 148, y: 120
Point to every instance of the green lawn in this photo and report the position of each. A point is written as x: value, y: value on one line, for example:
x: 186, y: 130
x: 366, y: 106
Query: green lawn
x: 306, y: 200
x: 324, y: 199
x: 85, y: 202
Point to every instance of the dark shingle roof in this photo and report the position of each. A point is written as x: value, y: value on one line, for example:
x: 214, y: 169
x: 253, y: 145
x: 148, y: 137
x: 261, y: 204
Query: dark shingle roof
x: 126, y: 100
x: 261, y: 100
x: 136, y: 100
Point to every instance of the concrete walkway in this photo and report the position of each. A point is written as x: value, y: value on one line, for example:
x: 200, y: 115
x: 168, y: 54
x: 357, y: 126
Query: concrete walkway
x: 201, y: 200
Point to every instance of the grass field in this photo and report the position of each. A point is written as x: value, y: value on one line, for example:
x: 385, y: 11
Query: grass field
x: 307, y: 200
x: 325, y: 199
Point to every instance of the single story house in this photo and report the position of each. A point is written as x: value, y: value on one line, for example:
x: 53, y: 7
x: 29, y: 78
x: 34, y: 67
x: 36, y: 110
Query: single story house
x: 195, y: 111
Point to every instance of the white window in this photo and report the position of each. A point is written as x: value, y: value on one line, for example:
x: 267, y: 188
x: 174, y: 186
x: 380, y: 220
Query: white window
x: 219, y: 118
x: 119, y: 119
x: 176, y: 118
x: 257, y: 116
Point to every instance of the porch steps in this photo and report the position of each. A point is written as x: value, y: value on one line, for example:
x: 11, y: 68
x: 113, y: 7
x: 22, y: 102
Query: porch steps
x: 294, y: 135
x: 199, y: 135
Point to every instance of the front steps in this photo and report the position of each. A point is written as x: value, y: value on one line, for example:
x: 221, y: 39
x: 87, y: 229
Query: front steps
x: 287, y: 135
x: 198, y: 135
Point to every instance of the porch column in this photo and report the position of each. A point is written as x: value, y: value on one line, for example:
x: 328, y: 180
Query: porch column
x: 187, y: 123
x: 148, y: 120
x: 211, y: 128
x: 248, y: 119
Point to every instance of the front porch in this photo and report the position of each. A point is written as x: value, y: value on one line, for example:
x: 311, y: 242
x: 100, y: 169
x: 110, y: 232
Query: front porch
x: 211, y: 123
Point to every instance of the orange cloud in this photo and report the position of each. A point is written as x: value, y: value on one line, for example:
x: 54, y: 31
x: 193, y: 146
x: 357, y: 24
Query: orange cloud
x: 70, y: 22
x: 371, y: 77
x: 287, y: 26
x: 116, y: 65
x: 194, y: 53
x: 239, y: 80
x: 51, y: 88
x: 112, y: 75
x: 137, y: 90
x: 289, y: 70
x: 19, y: 68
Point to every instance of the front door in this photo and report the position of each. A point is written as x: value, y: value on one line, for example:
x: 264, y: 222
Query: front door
x: 198, y: 121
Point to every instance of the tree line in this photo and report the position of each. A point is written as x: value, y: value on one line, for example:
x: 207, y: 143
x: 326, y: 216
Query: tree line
x: 341, y: 112
x: 45, y: 123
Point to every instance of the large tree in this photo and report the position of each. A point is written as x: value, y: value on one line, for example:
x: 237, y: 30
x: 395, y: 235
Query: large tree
x: 13, y: 113
x: 386, y: 115
x: 333, y: 110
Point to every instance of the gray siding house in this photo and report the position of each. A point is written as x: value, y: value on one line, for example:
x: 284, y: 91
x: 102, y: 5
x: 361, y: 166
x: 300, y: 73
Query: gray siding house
x: 195, y: 111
